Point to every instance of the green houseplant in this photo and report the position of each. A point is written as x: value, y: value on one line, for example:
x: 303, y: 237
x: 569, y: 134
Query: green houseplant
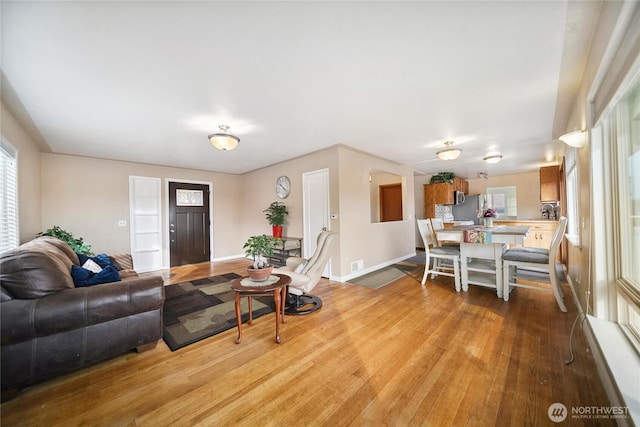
x: 77, y: 244
x: 276, y: 214
x: 260, y: 248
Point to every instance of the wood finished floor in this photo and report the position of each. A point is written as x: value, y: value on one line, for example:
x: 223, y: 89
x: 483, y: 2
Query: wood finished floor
x: 401, y: 355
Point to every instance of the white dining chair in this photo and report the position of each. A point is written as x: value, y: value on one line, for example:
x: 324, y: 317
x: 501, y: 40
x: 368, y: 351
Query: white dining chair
x: 535, y: 266
x: 446, y: 259
x: 438, y: 224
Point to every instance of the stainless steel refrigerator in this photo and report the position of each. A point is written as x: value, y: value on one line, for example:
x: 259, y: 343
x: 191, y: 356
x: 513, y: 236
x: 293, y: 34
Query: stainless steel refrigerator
x: 468, y: 211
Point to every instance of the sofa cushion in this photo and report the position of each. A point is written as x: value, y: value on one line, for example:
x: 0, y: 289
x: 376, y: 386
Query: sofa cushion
x: 65, y: 248
x: 30, y: 271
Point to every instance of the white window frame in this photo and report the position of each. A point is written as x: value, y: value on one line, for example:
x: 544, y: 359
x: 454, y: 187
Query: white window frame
x: 617, y: 294
x: 573, y: 199
x: 9, y: 203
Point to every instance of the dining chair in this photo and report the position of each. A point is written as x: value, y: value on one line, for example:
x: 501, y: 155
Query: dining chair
x: 438, y: 224
x: 439, y: 254
x: 534, y: 265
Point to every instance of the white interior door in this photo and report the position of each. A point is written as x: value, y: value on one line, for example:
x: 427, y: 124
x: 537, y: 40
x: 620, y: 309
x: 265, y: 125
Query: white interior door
x: 145, y: 223
x: 315, y: 209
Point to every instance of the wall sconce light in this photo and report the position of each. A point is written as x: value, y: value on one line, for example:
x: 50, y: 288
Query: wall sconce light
x: 222, y: 140
x: 494, y: 158
x: 449, y: 153
x: 577, y: 138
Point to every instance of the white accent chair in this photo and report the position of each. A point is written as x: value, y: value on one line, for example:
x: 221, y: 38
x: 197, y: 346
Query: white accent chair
x: 439, y: 254
x: 535, y: 265
x: 305, y: 275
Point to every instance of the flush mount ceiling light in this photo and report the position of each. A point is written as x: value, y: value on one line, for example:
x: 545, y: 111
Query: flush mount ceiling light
x: 482, y: 175
x: 494, y: 158
x: 449, y: 153
x: 224, y: 141
x: 577, y: 138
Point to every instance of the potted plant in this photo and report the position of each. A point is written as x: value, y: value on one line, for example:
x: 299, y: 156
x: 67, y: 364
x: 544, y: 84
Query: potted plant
x: 488, y: 215
x: 77, y: 244
x: 260, y: 248
x: 276, y: 214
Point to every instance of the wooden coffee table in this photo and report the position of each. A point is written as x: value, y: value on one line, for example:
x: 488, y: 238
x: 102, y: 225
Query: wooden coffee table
x: 276, y: 285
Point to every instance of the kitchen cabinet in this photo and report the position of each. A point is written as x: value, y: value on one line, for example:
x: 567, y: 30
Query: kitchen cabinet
x: 549, y: 184
x: 437, y: 194
x: 460, y: 184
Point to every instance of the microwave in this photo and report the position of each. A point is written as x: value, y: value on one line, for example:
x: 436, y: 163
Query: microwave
x: 458, y: 197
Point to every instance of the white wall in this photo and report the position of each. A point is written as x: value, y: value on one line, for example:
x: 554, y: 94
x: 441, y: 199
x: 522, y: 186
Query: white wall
x: 29, y: 204
x: 89, y: 196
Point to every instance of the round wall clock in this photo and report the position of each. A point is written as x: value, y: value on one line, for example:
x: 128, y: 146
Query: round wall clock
x: 283, y: 187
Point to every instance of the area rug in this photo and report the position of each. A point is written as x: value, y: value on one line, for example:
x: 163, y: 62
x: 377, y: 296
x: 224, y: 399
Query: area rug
x: 202, y: 308
x: 382, y: 277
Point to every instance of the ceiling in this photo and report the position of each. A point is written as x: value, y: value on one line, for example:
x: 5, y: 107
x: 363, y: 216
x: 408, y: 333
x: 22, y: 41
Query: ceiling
x: 147, y: 82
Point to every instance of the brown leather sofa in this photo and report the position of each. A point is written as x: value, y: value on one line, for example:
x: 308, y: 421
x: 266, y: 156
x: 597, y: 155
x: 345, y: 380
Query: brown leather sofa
x: 49, y: 327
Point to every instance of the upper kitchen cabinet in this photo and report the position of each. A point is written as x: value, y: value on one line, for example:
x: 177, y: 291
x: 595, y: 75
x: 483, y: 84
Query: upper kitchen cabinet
x: 549, y: 184
x: 461, y: 185
x: 437, y: 194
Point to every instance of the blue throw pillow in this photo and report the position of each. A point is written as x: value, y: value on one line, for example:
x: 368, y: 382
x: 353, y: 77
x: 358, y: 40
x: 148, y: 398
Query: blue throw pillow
x: 83, y: 277
x: 83, y: 258
x: 80, y: 275
x: 102, y: 260
x: 107, y: 275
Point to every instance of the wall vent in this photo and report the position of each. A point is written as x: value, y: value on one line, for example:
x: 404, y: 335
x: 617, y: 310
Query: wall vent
x: 357, y: 265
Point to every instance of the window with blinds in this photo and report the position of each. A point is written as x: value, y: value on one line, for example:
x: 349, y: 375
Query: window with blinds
x: 8, y: 197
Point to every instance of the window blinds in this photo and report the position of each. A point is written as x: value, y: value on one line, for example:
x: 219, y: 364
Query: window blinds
x: 8, y: 198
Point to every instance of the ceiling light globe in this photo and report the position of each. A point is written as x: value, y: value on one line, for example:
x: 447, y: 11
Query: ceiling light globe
x: 493, y: 158
x: 224, y: 141
x: 577, y: 138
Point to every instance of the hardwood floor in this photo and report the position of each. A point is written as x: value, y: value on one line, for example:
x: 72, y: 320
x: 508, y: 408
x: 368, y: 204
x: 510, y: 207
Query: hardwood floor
x: 404, y: 354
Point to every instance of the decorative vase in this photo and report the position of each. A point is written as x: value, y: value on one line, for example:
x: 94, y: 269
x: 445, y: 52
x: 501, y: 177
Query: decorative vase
x: 259, y: 274
x: 488, y: 222
x: 277, y: 231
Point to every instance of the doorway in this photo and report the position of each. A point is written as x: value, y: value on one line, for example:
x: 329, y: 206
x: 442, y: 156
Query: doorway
x: 315, y: 209
x: 189, y: 223
x: 391, y: 202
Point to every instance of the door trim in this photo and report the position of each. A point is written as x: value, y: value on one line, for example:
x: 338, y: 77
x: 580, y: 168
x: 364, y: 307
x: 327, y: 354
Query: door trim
x: 167, y: 243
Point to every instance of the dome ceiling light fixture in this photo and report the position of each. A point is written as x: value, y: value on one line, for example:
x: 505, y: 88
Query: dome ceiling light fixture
x: 449, y: 153
x: 577, y: 138
x: 493, y: 158
x: 223, y: 140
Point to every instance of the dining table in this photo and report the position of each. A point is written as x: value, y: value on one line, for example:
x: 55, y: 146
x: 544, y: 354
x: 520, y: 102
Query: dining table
x: 481, y: 250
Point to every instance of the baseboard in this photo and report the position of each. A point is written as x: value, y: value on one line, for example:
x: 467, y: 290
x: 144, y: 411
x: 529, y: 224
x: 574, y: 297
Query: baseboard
x: 362, y: 272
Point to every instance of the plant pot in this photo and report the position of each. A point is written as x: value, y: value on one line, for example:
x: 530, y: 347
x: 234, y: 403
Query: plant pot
x: 259, y: 274
x: 277, y: 231
x: 488, y: 222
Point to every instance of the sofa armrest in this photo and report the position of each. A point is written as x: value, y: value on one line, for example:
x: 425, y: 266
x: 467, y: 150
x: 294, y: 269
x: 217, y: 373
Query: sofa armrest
x: 24, y: 319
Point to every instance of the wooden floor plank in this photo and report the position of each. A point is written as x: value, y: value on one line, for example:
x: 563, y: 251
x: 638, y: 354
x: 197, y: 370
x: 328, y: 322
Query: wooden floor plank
x: 403, y: 354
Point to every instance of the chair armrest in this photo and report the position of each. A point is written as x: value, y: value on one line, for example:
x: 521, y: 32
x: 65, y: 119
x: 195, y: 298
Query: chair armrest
x: 24, y: 319
x: 294, y: 261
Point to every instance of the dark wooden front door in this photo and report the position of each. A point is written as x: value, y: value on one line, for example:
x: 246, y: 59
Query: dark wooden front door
x: 189, y: 223
x: 391, y: 202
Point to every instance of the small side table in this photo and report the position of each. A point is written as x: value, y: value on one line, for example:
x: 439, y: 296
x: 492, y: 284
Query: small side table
x: 276, y: 285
